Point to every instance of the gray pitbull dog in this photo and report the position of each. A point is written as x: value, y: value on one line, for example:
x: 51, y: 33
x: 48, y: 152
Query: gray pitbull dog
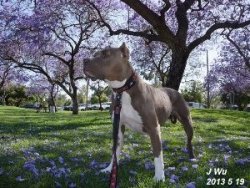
x: 144, y: 108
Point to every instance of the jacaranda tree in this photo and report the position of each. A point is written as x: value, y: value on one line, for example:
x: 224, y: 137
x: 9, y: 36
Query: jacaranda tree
x: 182, y: 25
x: 48, y: 37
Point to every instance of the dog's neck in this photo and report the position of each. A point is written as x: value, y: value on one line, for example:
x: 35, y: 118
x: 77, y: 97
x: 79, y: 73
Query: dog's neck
x: 114, y: 84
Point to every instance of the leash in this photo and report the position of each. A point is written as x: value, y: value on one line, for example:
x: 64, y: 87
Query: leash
x: 113, y: 179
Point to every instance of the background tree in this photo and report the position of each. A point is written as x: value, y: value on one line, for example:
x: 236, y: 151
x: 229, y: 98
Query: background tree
x: 231, y: 77
x: 181, y: 25
x: 15, y: 95
x: 193, y: 92
x: 152, y: 60
x: 51, y: 38
x: 99, y: 95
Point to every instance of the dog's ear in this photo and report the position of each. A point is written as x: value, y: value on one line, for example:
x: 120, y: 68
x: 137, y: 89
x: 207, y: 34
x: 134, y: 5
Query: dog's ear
x: 124, y: 50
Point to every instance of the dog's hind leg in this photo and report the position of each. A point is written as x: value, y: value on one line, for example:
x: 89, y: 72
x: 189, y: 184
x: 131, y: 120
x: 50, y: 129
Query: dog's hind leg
x: 185, y: 119
x: 118, y: 149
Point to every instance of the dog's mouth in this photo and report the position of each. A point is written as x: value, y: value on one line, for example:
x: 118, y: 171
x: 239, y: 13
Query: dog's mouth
x: 89, y: 74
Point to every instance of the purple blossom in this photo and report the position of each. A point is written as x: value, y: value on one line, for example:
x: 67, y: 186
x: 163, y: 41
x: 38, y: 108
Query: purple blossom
x: 61, y: 160
x: 191, y: 185
x: 57, y: 184
x: 1, y: 171
x: 185, y: 150
x: 171, y: 168
x: 181, y: 159
x: 149, y: 165
x: 242, y: 162
x: 30, y: 166
x: 164, y: 145
x: 195, y: 166
x: 20, y: 179
x: 226, y: 157
x: 174, y: 178
x: 184, y: 168
x: 71, y: 185
x: 193, y: 160
x: 132, y: 172
x: 98, y: 165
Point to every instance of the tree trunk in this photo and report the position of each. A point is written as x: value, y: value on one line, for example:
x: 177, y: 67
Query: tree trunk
x: 75, y: 109
x: 100, y: 102
x: 177, y: 68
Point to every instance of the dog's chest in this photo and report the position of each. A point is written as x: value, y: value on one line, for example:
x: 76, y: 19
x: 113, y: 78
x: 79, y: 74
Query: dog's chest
x: 129, y: 116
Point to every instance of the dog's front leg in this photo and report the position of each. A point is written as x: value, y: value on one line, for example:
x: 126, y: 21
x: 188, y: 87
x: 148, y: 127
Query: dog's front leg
x: 155, y: 137
x: 118, y: 149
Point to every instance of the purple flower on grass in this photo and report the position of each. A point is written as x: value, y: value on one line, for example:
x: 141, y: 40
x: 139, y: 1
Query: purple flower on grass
x: 181, y: 159
x: 57, y: 184
x: 193, y: 160
x: 243, y: 161
x: 195, y: 166
x: 171, y: 168
x: 20, y: 179
x: 30, y: 166
x: 52, y: 163
x: 191, y: 185
x: 149, y: 165
x: 164, y: 145
x: 71, y: 185
x: 174, y: 178
x: 93, y: 164
x: 226, y: 157
x: 184, y: 169
x: 61, y: 160
x: 184, y: 150
x: 97, y: 165
x: 132, y: 172
x: 1, y: 171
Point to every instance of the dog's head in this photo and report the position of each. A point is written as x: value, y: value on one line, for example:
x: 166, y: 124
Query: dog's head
x: 109, y: 64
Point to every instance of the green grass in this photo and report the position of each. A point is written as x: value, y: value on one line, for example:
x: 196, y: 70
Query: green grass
x: 43, y: 138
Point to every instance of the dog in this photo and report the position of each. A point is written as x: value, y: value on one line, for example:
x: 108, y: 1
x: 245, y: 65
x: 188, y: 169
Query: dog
x: 144, y: 108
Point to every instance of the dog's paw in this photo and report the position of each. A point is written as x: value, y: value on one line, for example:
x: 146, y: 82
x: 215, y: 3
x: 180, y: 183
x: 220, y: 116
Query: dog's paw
x: 106, y: 170
x: 159, y: 178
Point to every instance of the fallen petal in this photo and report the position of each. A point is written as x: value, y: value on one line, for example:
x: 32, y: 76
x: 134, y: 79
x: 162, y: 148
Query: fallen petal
x: 191, y: 185
x: 195, y: 166
x: 20, y: 179
x: 132, y: 172
x: 174, y: 177
x: 61, y: 160
x: 149, y: 165
x: 1, y: 171
x: 184, y: 168
x: 72, y: 185
x: 172, y: 168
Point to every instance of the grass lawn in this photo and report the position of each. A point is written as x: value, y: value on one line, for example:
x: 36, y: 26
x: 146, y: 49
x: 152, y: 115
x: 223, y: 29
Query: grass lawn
x: 63, y: 150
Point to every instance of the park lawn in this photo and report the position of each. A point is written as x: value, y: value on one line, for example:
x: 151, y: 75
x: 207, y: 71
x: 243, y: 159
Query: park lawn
x: 65, y: 150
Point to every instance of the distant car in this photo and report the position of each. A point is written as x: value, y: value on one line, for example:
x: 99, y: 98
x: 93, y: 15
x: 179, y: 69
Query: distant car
x: 29, y: 106
x: 247, y: 109
x: 195, y: 105
x: 95, y: 106
x: 68, y: 108
x: 106, y: 105
x: 82, y: 107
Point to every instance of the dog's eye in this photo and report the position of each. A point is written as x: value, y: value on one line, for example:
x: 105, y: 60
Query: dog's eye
x: 96, y: 54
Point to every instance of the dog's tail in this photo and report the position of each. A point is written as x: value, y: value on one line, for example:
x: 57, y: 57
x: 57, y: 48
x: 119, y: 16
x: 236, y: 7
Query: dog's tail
x: 173, y: 118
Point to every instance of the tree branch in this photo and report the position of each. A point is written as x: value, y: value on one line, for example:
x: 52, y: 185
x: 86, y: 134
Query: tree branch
x: 246, y: 59
x: 213, y: 28
x: 154, y: 19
